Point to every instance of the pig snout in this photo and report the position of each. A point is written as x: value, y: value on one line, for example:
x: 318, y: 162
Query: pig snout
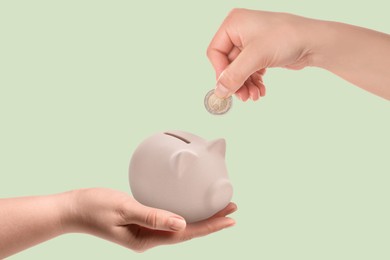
x: 219, y: 195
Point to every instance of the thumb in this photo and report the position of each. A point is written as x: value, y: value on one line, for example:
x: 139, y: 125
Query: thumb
x: 157, y: 219
x: 238, y: 71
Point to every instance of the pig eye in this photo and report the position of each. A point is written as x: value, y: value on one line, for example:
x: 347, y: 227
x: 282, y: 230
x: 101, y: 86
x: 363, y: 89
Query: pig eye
x: 178, y: 137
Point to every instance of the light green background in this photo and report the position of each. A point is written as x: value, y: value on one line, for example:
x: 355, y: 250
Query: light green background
x: 82, y: 83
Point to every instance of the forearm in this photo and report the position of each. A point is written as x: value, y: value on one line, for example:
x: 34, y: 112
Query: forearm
x: 360, y: 56
x: 28, y: 221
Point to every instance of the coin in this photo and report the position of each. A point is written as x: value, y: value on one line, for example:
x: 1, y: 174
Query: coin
x: 215, y: 105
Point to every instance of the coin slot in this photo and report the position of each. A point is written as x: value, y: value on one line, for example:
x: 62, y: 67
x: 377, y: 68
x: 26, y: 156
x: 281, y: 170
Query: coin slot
x: 178, y: 137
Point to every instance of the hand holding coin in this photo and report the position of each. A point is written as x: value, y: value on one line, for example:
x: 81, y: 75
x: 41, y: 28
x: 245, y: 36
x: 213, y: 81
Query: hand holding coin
x: 216, y: 105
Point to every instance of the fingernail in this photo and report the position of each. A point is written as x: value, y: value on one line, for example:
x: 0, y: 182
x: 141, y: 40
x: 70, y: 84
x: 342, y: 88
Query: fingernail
x: 251, y: 96
x: 221, y: 91
x: 231, y: 223
x: 176, y: 223
x: 255, y: 97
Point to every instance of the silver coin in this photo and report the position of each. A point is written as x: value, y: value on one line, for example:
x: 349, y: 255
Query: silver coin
x: 215, y: 105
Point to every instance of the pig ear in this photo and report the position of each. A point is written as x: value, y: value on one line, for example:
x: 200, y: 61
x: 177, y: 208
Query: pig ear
x: 217, y: 146
x: 181, y: 160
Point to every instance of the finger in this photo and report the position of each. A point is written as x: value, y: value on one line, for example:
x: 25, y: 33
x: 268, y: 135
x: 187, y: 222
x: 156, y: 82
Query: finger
x: 257, y: 79
x: 240, y: 91
x: 238, y: 71
x: 206, y: 227
x: 156, y: 219
x: 262, y: 89
x: 262, y: 71
x: 245, y: 93
x: 257, y: 83
x: 233, y: 54
x: 148, y: 238
x: 219, y: 49
x: 254, y: 92
x: 238, y: 94
x: 229, y: 209
x: 154, y: 238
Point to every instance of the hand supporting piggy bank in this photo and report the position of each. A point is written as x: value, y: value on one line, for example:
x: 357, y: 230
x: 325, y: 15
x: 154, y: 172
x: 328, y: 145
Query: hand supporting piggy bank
x: 182, y: 173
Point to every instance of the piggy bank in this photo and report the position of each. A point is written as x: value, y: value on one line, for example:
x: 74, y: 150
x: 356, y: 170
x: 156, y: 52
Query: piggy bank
x: 182, y: 173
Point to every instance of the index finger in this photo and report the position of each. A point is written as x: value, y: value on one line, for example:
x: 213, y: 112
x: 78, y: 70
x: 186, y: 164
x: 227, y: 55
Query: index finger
x: 213, y: 224
x: 198, y: 229
x: 219, y: 49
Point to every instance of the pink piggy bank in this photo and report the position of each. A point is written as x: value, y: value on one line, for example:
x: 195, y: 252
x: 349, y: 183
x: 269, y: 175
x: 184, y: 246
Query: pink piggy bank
x: 182, y: 173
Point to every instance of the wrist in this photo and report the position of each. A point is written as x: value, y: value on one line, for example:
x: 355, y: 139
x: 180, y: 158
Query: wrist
x: 324, y: 42
x: 69, y: 212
